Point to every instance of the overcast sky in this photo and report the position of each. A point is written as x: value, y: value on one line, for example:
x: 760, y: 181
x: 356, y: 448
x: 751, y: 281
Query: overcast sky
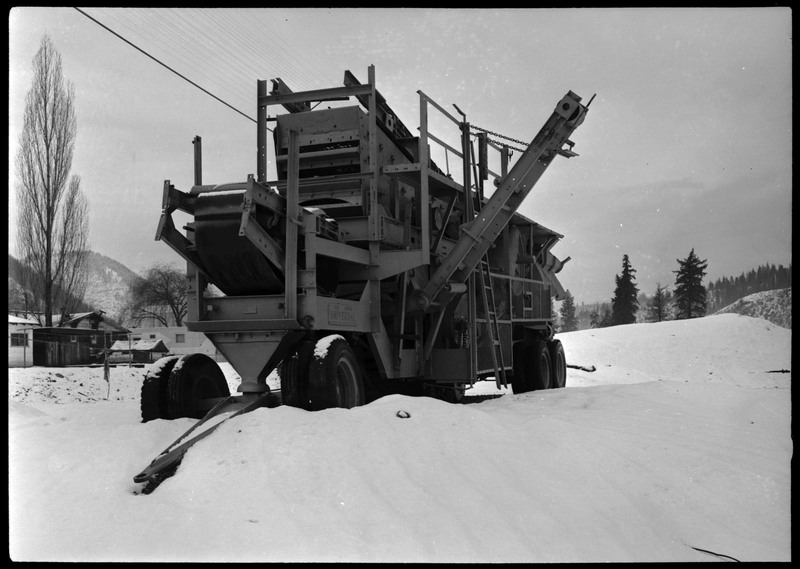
x: 688, y: 143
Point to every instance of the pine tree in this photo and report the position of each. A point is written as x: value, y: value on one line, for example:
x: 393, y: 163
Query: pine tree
x: 690, y: 294
x: 605, y: 317
x: 658, y: 304
x: 569, y: 322
x: 625, y: 302
x: 727, y: 290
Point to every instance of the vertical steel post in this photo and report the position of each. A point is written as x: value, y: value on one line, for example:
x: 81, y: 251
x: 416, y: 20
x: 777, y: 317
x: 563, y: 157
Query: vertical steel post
x: 400, y: 320
x: 198, y: 161
x: 309, y: 281
x: 424, y: 160
x: 466, y: 147
x: 423, y: 210
x: 372, y: 196
x: 469, y: 214
x: 292, y: 211
x: 374, y: 219
x: 261, y: 133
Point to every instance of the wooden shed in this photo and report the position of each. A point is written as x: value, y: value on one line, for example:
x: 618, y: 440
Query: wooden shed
x: 77, y: 341
x: 142, y: 351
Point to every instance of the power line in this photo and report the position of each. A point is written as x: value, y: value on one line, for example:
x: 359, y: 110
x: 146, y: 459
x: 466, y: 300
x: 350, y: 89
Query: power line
x: 164, y: 65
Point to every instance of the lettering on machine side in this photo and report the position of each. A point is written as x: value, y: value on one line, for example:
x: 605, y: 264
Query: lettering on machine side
x: 341, y: 315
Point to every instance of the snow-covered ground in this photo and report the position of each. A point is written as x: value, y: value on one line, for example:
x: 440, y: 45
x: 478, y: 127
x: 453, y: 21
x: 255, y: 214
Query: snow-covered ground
x: 677, y: 448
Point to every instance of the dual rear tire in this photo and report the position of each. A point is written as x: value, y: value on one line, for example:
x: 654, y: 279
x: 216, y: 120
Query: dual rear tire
x: 182, y: 386
x: 323, y: 375
x: 538, y: 364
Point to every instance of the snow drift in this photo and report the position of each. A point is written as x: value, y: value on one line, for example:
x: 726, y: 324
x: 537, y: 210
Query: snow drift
x: 678, y: 448
x: 772, y: 305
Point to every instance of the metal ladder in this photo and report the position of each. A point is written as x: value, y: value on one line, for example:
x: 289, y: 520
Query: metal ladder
x: 490, y: 311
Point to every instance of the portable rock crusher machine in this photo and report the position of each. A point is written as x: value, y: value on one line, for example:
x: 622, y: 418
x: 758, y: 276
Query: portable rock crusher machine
x: 363, y: 269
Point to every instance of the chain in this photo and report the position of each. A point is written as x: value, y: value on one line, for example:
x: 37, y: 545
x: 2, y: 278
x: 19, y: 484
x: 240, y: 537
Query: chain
x: 501, y: 136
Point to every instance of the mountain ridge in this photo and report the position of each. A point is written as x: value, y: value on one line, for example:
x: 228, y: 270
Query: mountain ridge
x: 108, y: 286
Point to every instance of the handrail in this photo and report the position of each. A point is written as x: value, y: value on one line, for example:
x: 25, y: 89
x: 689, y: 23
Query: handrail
x: 445, y: 145
x: 426, y: 135
x: 439, y: 107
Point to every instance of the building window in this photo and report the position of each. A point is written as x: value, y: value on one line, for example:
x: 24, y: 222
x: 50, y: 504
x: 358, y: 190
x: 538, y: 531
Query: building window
x: 180, y: 338
x: 152, y: 336
x: 19, y: 339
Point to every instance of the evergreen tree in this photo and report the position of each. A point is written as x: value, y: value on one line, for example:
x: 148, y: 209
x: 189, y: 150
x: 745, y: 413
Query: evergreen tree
x: 727, y: 290
x: 690, y: 294
x: 605, y: 317
x: 658, y: 304
x: 569, y: 321
x: 594, y: 319
x: 625, y: 302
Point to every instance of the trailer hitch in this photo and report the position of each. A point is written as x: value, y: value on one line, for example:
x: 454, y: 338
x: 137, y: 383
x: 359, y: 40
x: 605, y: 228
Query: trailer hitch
x: 166, y: 464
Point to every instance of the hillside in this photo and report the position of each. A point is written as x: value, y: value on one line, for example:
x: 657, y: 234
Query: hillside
x: 108, y: 286
x: 772, y: 305
x: 16, y: 293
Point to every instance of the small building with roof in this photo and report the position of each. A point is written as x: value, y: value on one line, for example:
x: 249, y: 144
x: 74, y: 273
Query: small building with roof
x: 140, y: 352
x: 20, y: 340
x: 80, y: 340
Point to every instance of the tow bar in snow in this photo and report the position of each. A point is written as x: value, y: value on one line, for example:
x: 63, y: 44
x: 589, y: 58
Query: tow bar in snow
x: 714, y: 553
x: 583, y: 368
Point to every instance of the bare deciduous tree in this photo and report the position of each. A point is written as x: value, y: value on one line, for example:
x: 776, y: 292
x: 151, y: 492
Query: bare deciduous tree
x: 53, y: 224
x: 659, y: 305
x: 160, y: 295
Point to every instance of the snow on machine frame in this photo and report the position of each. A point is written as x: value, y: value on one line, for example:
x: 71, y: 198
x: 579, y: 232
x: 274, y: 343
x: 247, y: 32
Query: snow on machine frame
x: 363, y: 269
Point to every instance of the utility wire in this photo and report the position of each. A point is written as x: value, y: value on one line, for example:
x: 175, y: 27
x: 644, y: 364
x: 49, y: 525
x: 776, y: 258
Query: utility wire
x: 164, y: 65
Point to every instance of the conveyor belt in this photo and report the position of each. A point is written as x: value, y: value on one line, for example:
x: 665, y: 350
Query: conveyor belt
x: 234, y: 264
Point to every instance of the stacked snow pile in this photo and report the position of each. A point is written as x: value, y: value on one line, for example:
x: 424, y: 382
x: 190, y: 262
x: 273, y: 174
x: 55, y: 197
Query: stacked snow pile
x: 772, y: 305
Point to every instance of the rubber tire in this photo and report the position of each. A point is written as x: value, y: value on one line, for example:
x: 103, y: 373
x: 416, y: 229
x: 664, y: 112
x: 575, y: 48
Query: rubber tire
x: 153, y: 402
x: 532, y: 366
x: 335, y: 379
x: 194, y: 377
x: 294, y: 376
x: 454, y: 394
x: 558, y: 360
x: 519, y: 372
x: 539, y: 373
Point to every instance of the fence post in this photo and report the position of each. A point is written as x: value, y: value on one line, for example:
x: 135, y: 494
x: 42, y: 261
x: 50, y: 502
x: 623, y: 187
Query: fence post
x: 106, y: 367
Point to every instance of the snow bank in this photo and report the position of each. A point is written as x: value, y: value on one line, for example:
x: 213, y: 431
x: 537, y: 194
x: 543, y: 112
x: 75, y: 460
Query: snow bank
x: 678, y: 448
x: 725, y: 348
x: 772, y: 305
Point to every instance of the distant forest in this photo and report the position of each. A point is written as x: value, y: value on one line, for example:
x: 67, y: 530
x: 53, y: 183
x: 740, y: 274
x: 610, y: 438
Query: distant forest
x: 720, y: 293
x: 728, y: 290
